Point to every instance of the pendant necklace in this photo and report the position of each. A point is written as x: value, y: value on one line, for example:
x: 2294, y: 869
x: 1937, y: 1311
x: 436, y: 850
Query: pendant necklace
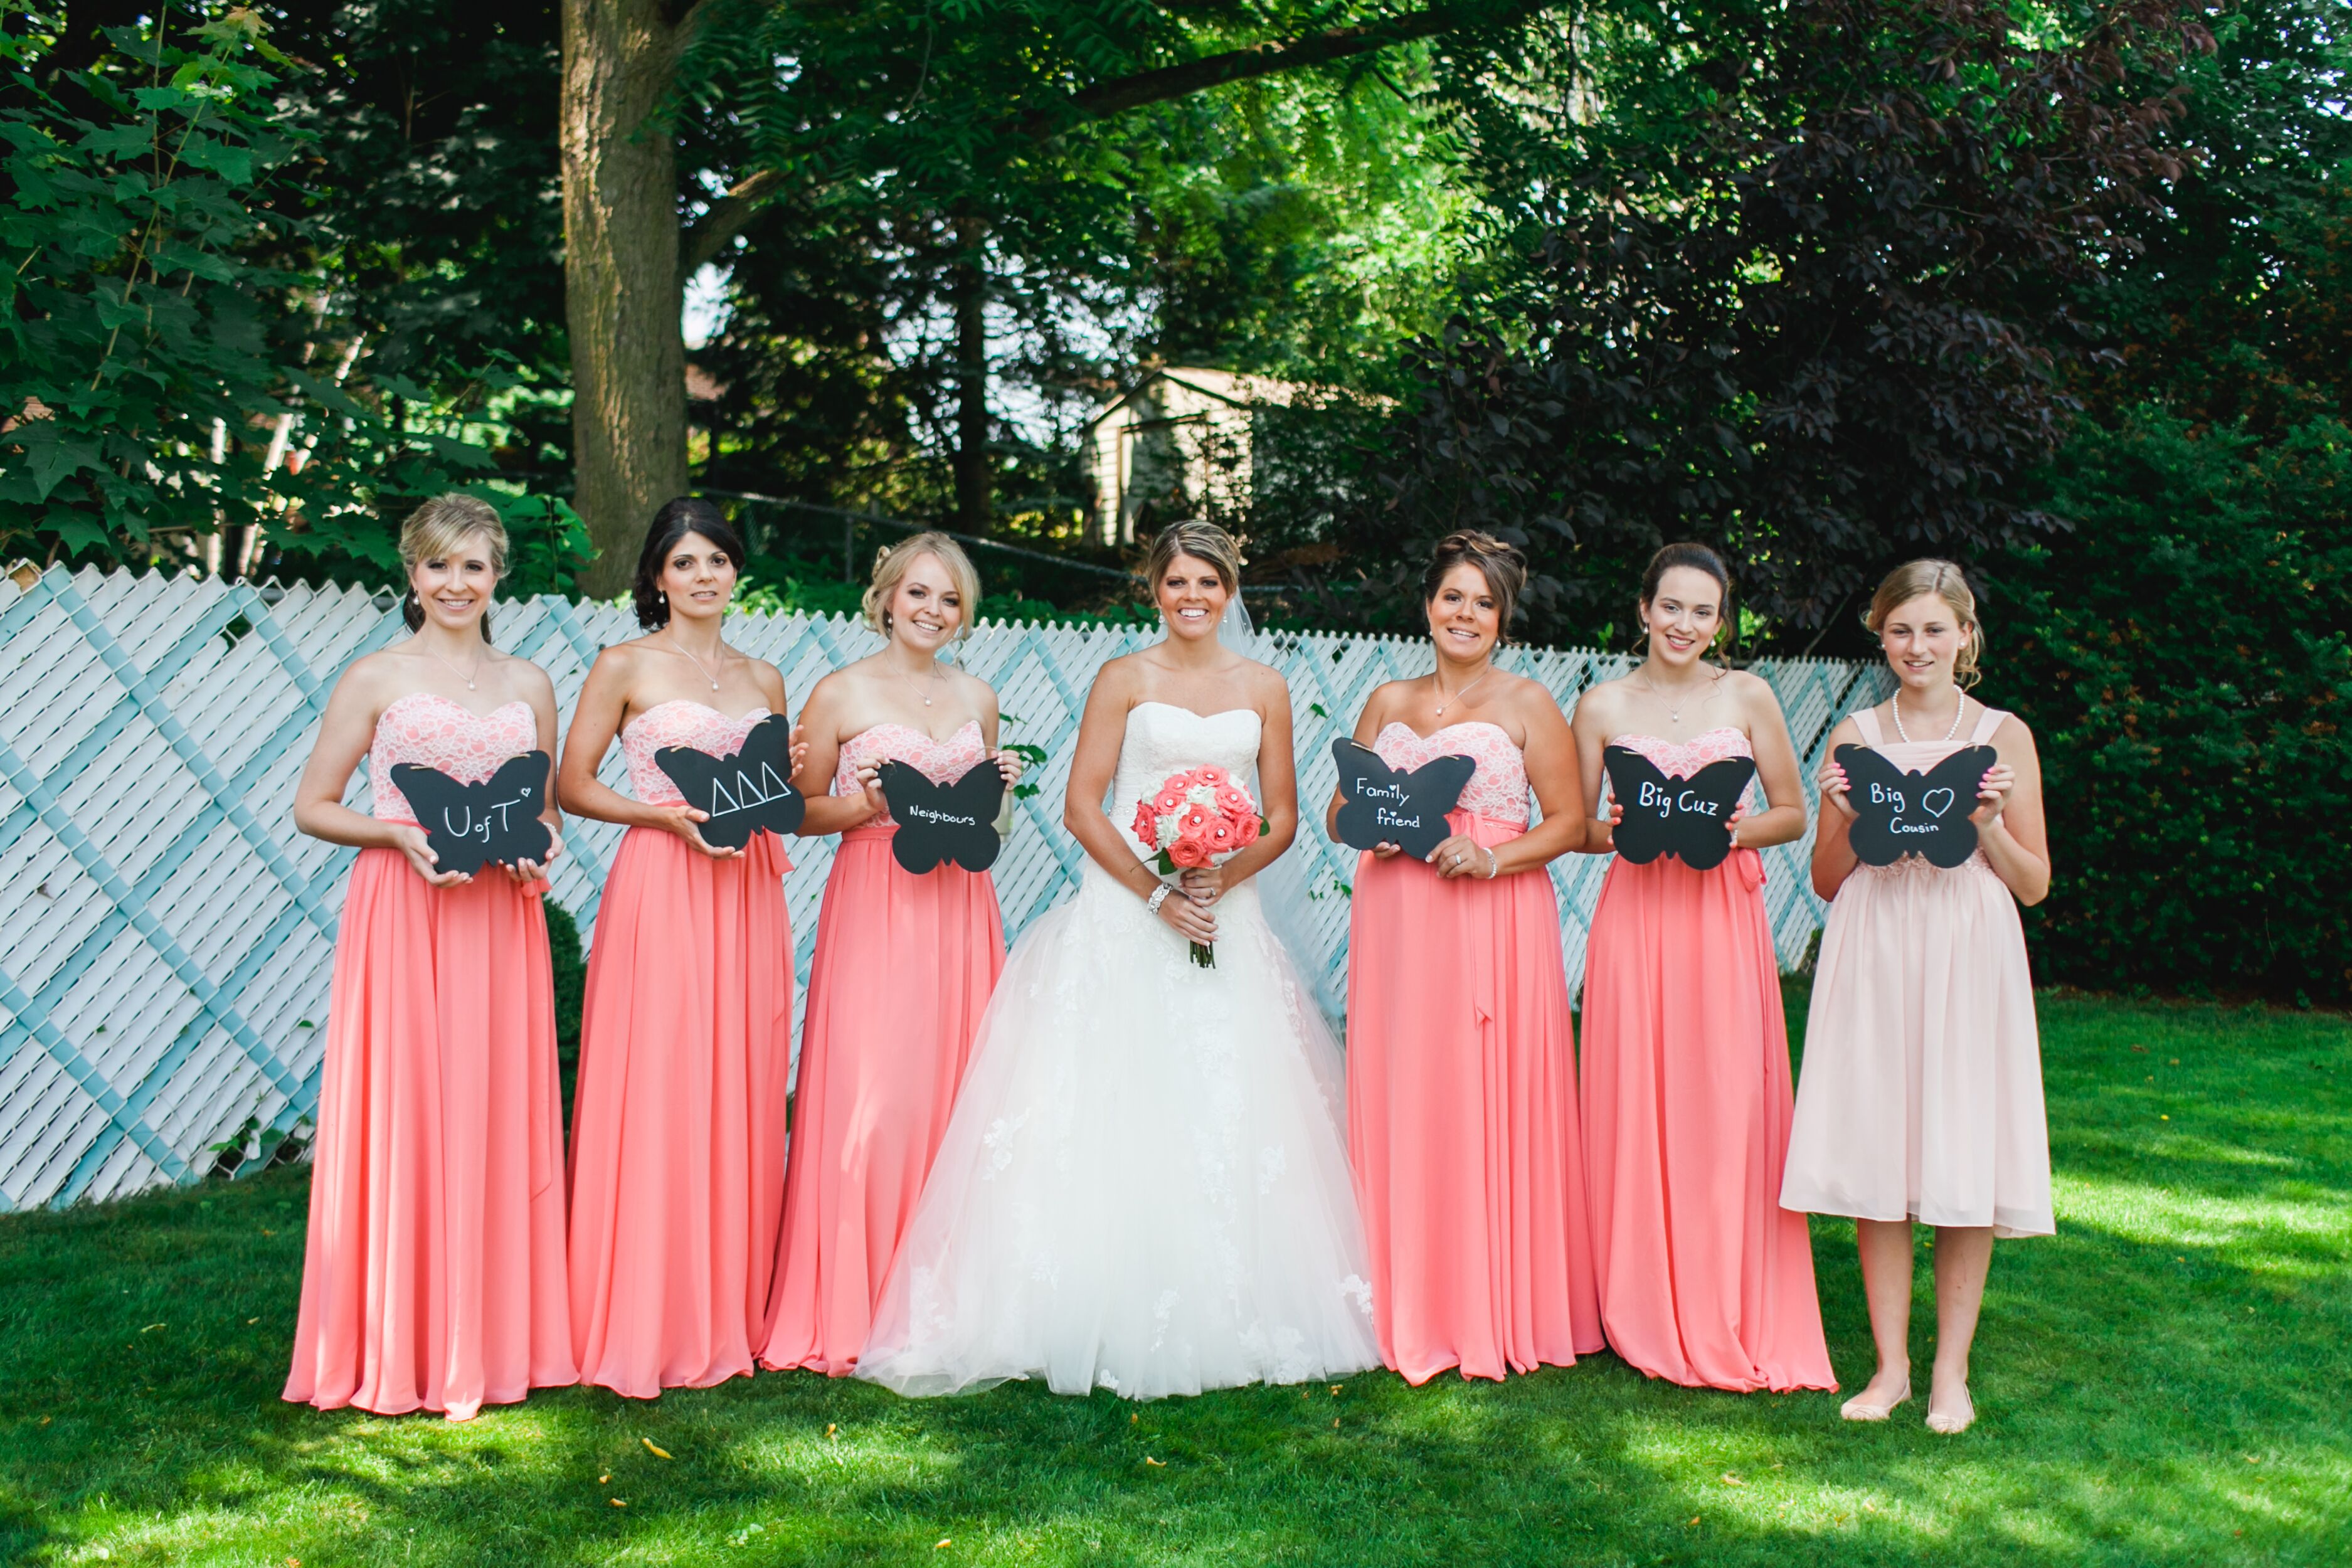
x: 699, y: 665
x: 453, y: 669
x: 1458, y: 696
x: 1958, y: 710
x: 911, y: 681
x: 1675, y: 710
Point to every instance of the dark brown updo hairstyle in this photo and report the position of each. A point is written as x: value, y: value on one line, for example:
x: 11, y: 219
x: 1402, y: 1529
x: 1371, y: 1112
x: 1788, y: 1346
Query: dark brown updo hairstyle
x: 1504, y: 569
x: 1203, y: 541
x: 677, y: 519
x: 436, y: 530
x: 1698, y: 558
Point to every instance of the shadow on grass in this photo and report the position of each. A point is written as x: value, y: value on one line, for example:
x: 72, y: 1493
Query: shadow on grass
x: 2161, y: 1383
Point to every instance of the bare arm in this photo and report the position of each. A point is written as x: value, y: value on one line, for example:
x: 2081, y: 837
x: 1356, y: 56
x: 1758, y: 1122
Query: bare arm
x: 824, y: 719
x: 1833, y: 858
x: 1368, y: 725
x: 2010, y: 823
x: 344, y: 734
x: 1092, y: 766
x: 1554, y: 773
x: 1783, y: 820
x: 540, y: 695
x: 1277, y: 788
x: 1591, y: 729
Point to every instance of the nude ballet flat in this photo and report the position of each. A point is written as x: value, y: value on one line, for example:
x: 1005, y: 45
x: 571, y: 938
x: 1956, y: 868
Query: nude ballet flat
x: 1952, y: 1425
x: 1855, y: 1410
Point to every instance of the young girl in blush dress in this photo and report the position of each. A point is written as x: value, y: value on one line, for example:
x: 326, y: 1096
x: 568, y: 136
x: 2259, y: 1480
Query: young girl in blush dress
x: 904, y: 963
x: 1462, y: 1120
x: 1922, y: 1093
x: 433, y: 1270
x: 678, y: 1137
x: 1705, y: 1279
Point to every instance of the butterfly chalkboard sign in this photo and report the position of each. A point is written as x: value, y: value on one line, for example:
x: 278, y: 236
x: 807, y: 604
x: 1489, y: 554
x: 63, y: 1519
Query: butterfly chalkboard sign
x: 1689, y: 818
x: 744, y: 792
x: 470, y: 826
x: 1898, y: 813
x: 950, y: 821
x: 1382, y: 805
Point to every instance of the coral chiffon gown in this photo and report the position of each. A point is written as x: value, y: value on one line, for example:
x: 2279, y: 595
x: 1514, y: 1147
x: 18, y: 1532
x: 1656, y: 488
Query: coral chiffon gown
x: 1462, y: 1115
x: 433, y: 1268
x: 678, y: 1137
x: 903, y: 970
x: 1922, y: 1091
x: 1705, y: 1279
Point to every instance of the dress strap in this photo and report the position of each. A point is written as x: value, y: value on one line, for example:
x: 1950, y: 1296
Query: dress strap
x: 1987, y: 722
x: 1866, y: 721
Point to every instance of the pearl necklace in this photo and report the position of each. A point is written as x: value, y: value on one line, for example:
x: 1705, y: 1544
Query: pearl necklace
x: 1957, y: 712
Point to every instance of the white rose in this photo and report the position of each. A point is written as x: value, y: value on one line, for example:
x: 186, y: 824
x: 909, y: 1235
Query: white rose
x: 1201, y: 794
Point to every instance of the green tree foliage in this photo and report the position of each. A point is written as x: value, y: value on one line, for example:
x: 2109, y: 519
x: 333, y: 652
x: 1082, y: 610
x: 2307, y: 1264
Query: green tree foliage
x: 135, y: 346
x: 2185, y: 658
x: 1799, y: 285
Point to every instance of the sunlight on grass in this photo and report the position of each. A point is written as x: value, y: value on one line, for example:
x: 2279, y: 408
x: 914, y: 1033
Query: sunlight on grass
x: 2160, y: 1383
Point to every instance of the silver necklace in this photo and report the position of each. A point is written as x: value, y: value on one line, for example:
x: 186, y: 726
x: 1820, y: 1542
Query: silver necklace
x: 453, y: 669
x: 1960, y: 708
x: 1460, y: 695
x: 1675, y: 711
x: 911, y: 680
x: 699, y: 664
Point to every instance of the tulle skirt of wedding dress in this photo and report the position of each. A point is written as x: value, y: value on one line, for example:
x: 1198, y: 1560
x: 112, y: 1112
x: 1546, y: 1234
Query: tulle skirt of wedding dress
x: 1145, y: 1184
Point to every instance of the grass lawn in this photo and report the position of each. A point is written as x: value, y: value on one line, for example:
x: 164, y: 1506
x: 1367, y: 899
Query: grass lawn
x: 2165, y: 1382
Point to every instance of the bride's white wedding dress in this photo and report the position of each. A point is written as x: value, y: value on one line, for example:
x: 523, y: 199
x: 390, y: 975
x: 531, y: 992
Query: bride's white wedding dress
x: 1144, y: 1186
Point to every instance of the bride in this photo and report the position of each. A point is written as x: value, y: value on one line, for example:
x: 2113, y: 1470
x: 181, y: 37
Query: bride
x: 1144, y: 1184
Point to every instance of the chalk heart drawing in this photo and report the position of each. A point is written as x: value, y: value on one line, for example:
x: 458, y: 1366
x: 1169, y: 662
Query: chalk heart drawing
x: 1935, y: 802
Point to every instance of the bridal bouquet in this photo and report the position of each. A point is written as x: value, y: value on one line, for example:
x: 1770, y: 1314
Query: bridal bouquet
x: 1199, y: 817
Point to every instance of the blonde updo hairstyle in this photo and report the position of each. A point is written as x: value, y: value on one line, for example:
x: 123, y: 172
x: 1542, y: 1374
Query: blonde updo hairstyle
x: 892, y: 564
x: 434, y: 531
x: 1203, y: 541
x: 1947, y: 582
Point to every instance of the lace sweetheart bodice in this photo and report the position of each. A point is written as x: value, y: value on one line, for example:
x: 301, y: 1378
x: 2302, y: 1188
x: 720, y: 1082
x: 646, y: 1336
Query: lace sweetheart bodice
x: 1498, y: 791
x: 681, y: 722
x: 938, y: 761
x: 430, y: 731
x: 1680, y: 759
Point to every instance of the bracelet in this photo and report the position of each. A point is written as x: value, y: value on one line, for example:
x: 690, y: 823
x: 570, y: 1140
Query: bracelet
x: 1492, y: 864
x: 1158, y: 897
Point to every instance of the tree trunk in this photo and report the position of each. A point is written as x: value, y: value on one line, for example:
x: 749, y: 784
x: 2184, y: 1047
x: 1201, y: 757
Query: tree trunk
x: 621, y: 283
x: 968, y: 286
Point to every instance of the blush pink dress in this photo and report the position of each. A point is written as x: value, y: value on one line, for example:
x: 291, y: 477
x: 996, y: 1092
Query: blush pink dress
x: 433, y: 1268
x: 903, y: 970
x: 1461, y: 1118
x: 678, y: 1131
x: 1705, y: 1280
x: 1922, y: 1090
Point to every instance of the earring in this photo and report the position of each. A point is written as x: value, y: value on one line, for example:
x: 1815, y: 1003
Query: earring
x: 410, y: 606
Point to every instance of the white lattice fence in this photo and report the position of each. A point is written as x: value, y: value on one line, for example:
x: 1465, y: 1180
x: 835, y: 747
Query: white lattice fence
x: 166, y: 937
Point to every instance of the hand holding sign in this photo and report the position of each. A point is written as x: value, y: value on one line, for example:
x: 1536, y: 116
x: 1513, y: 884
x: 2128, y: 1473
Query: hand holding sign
x: 944, y: 822
x: 1897, y: 813
x: 470, y: 826
x: 1689, y: 818
x: 1382, y: 806
x: 744, y: 793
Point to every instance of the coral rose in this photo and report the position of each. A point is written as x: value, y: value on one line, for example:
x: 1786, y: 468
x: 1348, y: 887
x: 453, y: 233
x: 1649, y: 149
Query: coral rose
x: 1210, y: 775
x: 1234, y: 802
x: 1189, y: 852
x: 1246, y: 831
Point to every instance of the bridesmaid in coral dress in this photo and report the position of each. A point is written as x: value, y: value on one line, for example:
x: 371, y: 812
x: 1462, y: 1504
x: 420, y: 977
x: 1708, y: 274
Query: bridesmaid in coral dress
x: 1705, y: 1279
x: 433, y: 1270
x: 678, y: 1132
x: 904, y: 963
x: 1462, y: 1118
x: 1922, y: 1093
